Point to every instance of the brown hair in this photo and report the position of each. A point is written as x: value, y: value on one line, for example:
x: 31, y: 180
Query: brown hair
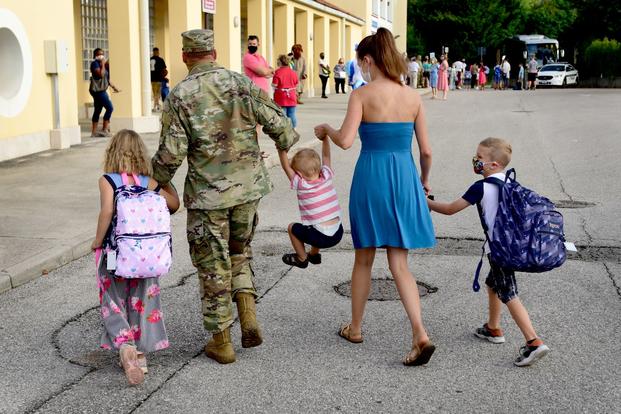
x: 127, y: 153
x: 499, y: 150
x: 382, y: 48
x: 283, y: 60
x: 306, y: 161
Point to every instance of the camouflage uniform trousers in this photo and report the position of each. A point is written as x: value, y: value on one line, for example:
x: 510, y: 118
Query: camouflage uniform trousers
x: 220, y: 250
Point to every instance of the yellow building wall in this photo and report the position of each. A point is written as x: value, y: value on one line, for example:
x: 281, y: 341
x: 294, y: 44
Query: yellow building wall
x: 183, y: 15
x: 227, y: 37
x: 400, y: 23
x: 38, y: 113
x: 81, y: 85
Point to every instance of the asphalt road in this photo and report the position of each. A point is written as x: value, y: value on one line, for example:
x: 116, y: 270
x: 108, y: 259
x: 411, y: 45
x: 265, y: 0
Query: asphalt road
x: 565, y: 145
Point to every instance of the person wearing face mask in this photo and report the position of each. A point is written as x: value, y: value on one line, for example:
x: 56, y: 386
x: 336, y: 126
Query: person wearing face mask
x: 443, y: 76
x: 98, y: 89
x: 299, y: 66
x: 339, y: 76
x: 394, y: 214
x: 255, y: 65
x: 210, y: 117
x: 492, y: 157
x: 324, y: 74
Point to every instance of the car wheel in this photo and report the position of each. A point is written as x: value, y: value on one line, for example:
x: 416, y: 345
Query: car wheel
x: 564, y: 82
x: 576, y: 82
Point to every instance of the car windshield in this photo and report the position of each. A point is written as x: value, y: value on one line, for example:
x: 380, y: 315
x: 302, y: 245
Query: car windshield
x: 553, y: 68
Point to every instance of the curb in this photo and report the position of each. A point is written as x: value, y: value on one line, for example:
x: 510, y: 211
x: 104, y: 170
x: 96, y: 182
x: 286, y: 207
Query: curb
x: 75, y: 248
x: 42, y: 263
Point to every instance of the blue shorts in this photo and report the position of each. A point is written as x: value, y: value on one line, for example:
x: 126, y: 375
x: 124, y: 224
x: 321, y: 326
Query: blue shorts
x: 502, y: 282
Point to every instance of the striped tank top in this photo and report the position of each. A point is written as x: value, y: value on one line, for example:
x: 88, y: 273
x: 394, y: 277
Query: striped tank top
x: 317, y: 199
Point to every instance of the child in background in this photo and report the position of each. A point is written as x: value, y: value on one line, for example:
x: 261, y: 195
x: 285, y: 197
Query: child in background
x: 165, y: 89
x: 285, y: 82
x: 321, y: 226
x: 483, y: 71
x: 130, y: 308
x: 492, y: 157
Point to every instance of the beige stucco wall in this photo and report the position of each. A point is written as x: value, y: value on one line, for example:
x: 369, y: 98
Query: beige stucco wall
x: 29, y: 131
x: 36, y: 119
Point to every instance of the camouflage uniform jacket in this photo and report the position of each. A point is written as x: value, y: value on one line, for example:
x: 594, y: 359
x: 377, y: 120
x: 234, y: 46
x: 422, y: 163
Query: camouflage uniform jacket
x: 211, y: 118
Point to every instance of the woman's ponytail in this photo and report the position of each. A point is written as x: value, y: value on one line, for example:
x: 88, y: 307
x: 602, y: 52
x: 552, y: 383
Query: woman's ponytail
x: 382, y: 48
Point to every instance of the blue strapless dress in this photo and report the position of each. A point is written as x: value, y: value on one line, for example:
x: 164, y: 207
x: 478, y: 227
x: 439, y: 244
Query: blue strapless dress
x: 387, y: 204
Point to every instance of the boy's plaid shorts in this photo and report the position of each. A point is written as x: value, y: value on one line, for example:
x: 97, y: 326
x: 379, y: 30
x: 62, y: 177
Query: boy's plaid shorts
x: 502, y: 282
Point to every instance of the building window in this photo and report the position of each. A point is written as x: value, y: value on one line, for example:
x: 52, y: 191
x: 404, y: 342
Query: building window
x: 208, y: 21
x: 15, y: 65
x: 151, y: 25
x: 375, y: 8
x: 383, y: 9
x: 389, y: 7
x: 94, y: 31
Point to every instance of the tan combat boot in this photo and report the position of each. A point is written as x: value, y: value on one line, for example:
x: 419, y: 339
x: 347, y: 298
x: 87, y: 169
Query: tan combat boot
x: 220, y: 347
x: 251, y: 333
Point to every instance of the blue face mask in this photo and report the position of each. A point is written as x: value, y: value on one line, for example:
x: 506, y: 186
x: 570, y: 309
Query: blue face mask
x: 478, y: 165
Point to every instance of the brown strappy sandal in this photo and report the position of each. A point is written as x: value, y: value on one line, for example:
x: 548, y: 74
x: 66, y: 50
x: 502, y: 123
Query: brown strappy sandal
x: 345, y: 333
x: 419, y: 355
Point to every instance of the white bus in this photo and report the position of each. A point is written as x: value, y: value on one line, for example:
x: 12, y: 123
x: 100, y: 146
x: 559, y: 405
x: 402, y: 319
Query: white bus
x: 522, y: 47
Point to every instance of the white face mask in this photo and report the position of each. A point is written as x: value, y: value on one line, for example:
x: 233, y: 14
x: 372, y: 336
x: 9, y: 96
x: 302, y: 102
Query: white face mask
x: 100, y: 57
x: 366, y: 76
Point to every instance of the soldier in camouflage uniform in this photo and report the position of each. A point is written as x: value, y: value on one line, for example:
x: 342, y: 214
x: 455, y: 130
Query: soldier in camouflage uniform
x: 211, y: 118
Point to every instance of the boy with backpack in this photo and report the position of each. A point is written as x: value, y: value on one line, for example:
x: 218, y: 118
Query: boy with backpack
x: 492, y: 157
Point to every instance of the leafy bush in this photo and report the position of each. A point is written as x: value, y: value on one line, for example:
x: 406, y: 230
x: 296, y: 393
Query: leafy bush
x: 603, y: 58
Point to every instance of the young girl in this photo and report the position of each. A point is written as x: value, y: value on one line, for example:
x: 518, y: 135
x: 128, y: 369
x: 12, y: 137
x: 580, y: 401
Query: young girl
x: 321, y: 226
x: 285, y: 82
x: 130, y: 308
x: 483, y: 71
x: 433, y: 77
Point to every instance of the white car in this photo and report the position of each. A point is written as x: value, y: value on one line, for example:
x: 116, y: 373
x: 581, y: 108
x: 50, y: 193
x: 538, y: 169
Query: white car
x: 557, y: 74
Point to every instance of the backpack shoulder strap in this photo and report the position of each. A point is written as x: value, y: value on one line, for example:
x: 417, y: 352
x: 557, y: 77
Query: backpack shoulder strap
x: 110, y: 181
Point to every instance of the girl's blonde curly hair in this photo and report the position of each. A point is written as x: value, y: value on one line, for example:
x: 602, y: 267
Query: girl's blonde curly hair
x: 127, y: 153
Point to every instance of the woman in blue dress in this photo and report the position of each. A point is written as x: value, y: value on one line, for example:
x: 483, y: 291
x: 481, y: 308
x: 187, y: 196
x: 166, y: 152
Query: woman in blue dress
x: 433, y: 77
x: 388, y: 207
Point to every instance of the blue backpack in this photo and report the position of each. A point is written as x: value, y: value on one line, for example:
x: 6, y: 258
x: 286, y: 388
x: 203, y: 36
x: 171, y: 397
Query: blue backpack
x: 528, y: 231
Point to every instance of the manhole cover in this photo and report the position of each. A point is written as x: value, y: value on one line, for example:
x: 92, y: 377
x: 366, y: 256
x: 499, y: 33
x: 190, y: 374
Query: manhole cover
x: 383, y: 289
x: 572, y: 204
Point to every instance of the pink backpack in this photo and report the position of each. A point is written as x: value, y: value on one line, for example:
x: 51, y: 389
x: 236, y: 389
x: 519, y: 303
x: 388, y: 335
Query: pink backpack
x: 142, y: 231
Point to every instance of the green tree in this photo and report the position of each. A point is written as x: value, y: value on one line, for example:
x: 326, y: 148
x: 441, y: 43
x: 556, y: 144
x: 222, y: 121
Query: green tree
x: 548, y: 17
x: 462, y: 25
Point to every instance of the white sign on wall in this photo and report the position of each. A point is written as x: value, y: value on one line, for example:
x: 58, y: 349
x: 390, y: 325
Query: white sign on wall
x: 209, y: 6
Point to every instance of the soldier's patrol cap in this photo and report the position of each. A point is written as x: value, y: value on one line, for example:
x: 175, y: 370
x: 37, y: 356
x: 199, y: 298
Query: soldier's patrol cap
x: 197, y: 40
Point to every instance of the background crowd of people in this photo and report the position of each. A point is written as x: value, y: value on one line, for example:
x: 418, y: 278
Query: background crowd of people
x: 440, y: 75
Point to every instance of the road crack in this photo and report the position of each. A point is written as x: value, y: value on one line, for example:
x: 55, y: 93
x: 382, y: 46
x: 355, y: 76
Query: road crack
x: 612, y: 279
x: 200, y: 352
x: 54, y: 341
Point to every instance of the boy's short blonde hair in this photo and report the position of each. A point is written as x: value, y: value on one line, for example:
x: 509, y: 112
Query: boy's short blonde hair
x: 499, y: 150
x: 127, y: 153
x: 306, y: 161
x: 283, y: 60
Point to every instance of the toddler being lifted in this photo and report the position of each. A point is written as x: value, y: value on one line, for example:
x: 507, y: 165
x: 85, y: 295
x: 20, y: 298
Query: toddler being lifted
x: 320, y: 213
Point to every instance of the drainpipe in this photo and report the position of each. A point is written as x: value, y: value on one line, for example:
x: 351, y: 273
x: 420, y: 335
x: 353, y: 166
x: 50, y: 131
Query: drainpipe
x: 344, y: 51
x: 270, y: 30
x: 145, y: 58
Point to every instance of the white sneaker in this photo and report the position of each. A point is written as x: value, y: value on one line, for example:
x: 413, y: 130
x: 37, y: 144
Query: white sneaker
x: 530, y: 354
x: 485, y: 333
